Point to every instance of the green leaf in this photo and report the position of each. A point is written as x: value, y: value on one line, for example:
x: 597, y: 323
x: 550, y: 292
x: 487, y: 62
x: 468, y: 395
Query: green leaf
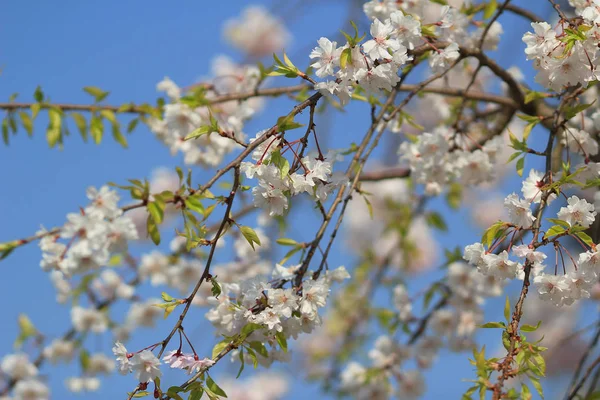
x: 38, y: 95
x: 488, y: 325
x: 109, y: 115
x: 286, y: 68
x: 194, y: 204
x: 490, y: 9
x: 219, y: 347
x: 250, y: 236
x: 571, y: 112
x: 554, y: 230
x: 169, y: 309
x: 492, y: 233
x: 26, y: 329
x: 214, y: 387
x: 203, y: 130
x: 196, y: 394
x: 531, y: 328
x: 540, y: 362
x: 153, y: 231
x: 527, y: 130
x: 84, y: 359
x: 345, y: 57
x: 281, y: 340
x: 435, y: 220
x: 454, y: 195
x: 559, y: 222
x: 585, y: 238
x: 81, y: 124
x: 241, y: 357
x: 252, y: 355
x: 287, y: 123
x: 281, y: 163
x: 55, y: 118
x: 538, y: 387
x: 532, y: 95
x: 132, y: 124
x: 96, y: 92
x: 249, y: 328
x: 369, y: 206
x: 5, y: 134
x: 507, y: 310
x: 118, y: 136
x: 513, y: 156
x: 165, y: 296
x: 287, y: 242
x: 520, y: 166
x: 173, y: 392
x: 289, y: 254
x: 259, y: 348
x: 35, y: 109
x: 525, y: 393
x: 27, y: 122
x: 216, y: 288
x: 52, y: 136
x: 96, y: 129
x: 137, y: 395
x: 157, y: 211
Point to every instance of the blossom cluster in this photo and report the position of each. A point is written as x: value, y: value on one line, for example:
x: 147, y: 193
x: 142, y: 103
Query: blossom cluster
x: 434, y: 164
x: 94, y: 234
x: 276, y: 183
x: 182, y: 116
x: 566, y: 55
x: 374, y: 65
x: 278, y: 309
x: 396, y: 28
x: 559, y: 289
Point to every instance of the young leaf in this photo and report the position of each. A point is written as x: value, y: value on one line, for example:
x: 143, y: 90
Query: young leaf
x: 507, y: 310
x: 153, y: 231
x: 281, y: 340
x: 27, y: 122
x: 287, y: 123
x: 493, y: 325
x: 219, y: 347
x: 490, y: 9
x: 520, y: 165
x: 286, y: 242
x: 214, y: 387
x: 156, y: 210
x: 530, y: 328
x: 216, y: 288
x: 554, y: 230
x: 250, y: 236
x: 585, y: 238
x: 96, y: 92
x: 81, y: 124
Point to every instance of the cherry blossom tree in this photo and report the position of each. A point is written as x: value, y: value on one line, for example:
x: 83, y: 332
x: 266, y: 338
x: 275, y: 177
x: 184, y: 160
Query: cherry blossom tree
x: 243, y: 232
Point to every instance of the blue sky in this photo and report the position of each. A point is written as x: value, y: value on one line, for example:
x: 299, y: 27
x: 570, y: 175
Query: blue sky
x: 126, y: 48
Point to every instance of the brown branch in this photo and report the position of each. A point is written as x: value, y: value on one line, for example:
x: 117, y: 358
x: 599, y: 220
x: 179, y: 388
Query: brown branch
x: 575, y: 386
x: 504, y: 368
x: 206, y: 274
x: 13, y: 106
x: 389, y: 173
x: 583, y: 379
x: 523, y: 13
